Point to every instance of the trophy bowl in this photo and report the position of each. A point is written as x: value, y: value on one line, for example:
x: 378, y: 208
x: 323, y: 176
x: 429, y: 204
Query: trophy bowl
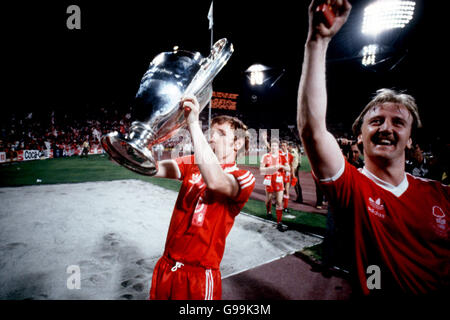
x: 170, y: 77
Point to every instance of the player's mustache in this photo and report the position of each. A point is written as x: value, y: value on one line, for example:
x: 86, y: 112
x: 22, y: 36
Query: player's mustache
x: 383, y: 136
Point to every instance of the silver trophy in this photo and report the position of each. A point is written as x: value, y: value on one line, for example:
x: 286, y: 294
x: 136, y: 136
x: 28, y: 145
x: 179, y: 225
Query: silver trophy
x: 170, y: 76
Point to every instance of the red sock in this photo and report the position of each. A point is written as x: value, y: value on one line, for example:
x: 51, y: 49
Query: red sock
x: 279, y: 215
x: 285, y: 201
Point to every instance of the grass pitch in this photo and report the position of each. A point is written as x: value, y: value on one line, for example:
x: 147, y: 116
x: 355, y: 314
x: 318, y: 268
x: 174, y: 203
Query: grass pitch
x: 100, y: 168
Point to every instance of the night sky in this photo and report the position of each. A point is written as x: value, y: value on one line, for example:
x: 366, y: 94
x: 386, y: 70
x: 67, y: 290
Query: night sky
x: 49, y: 67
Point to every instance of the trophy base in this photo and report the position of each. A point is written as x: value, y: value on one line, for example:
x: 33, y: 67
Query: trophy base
x: 128, y: 154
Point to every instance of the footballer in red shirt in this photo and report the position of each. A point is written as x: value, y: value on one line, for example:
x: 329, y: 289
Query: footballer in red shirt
x: 212, y: 194
x: 272, y: 167
x: 401, y: 223
x: 287, y: 159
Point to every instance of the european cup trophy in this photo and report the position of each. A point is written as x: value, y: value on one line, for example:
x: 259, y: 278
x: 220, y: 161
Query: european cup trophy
x: 170, y: 76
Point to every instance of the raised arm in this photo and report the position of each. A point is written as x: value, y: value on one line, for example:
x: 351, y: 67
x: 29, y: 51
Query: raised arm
x: 321, y: 147
x: 263, y: 170
x: 213, y: 175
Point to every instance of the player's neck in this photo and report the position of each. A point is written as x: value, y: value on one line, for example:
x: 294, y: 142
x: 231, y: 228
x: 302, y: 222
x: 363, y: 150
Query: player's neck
x: 392, y: 172
x: 228, y: 159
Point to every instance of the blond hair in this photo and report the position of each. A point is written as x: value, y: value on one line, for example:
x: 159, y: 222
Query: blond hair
x: 390, y: 95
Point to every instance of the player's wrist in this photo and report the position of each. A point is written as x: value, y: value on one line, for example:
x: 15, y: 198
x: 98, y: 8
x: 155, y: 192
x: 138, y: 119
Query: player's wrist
x: 193, y: 124
x: 317, y: 42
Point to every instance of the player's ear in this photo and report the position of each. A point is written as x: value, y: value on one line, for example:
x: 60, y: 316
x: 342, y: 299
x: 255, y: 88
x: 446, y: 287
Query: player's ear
x: 239, y: 143
x: 409, y: 144
x: 359, y: 143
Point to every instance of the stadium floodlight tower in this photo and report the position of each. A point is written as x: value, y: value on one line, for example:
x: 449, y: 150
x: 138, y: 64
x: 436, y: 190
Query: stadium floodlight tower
x: 380, y: 16
x: 256, y: 74
x: 383, y: 15
x: 369, y: 53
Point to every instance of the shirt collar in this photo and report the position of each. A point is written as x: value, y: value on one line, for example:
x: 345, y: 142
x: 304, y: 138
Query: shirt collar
x: 396, y: 190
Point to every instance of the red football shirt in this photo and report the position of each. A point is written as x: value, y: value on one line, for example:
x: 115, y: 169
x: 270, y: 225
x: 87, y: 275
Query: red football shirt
x: 404, y: 229
x: 287, y: 158
x: 273, y: 182
x: 269, y: 160
x: 202, y: 219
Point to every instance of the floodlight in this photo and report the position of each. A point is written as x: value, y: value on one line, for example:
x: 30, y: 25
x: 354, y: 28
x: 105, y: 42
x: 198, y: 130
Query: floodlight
x: 257, y: 74
x: 383, y: 15
x: 369, y: 53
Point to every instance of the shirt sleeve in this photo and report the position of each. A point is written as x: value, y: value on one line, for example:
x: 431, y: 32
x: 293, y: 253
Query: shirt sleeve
x: 340, y: 188
x: 246, y: 182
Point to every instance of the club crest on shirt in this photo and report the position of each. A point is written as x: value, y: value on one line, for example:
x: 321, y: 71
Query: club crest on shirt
x: 439, y: 221
x: 195, y: 178
x: 199, y: 213
x: 376, y: 207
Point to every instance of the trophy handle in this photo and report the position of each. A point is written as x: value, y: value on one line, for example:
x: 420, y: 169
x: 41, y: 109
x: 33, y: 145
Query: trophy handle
x: 210, y: 66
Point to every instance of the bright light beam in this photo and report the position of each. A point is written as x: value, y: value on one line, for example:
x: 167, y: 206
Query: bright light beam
x: 383, y: 15
x: 369, y: 54
x: 257, y: 74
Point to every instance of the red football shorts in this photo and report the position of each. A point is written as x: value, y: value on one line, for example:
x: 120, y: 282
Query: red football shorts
x: 176, y: 281
x: 274, y: 183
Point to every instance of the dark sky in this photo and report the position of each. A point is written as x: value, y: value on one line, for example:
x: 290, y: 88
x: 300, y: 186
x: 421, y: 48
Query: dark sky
x: 47, y: 66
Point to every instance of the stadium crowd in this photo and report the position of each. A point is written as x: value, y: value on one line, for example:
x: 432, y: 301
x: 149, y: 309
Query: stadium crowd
x: 63, y: 133
x: 60, y: 134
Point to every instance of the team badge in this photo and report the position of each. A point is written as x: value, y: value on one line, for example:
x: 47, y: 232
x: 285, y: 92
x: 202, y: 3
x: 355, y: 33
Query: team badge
x: 439, y: 221
x: 199, y: 213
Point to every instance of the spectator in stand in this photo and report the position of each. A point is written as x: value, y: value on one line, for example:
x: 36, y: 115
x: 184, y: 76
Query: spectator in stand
x: 296, y: 164
x: 417, y: 164
x: 354, y: 157
x: 85, y: 150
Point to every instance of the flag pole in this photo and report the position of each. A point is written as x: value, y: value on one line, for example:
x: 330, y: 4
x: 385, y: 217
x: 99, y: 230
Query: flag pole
x: 211, y: 26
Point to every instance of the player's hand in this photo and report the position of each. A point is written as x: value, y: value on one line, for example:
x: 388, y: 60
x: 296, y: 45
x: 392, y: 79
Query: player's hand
x: 318, y: 29
x: 191, y: 109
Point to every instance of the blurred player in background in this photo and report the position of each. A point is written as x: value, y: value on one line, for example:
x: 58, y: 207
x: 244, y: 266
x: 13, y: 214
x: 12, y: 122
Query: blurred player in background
x: 288, y: 159
x: 272, y: 167
x: 212, y: 193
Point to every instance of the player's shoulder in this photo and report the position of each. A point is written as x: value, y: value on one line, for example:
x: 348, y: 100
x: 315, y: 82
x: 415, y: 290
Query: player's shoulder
x: 236, y: 171
x: 244, y: 177
x: 427, y: 184
x: 186, y: 160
